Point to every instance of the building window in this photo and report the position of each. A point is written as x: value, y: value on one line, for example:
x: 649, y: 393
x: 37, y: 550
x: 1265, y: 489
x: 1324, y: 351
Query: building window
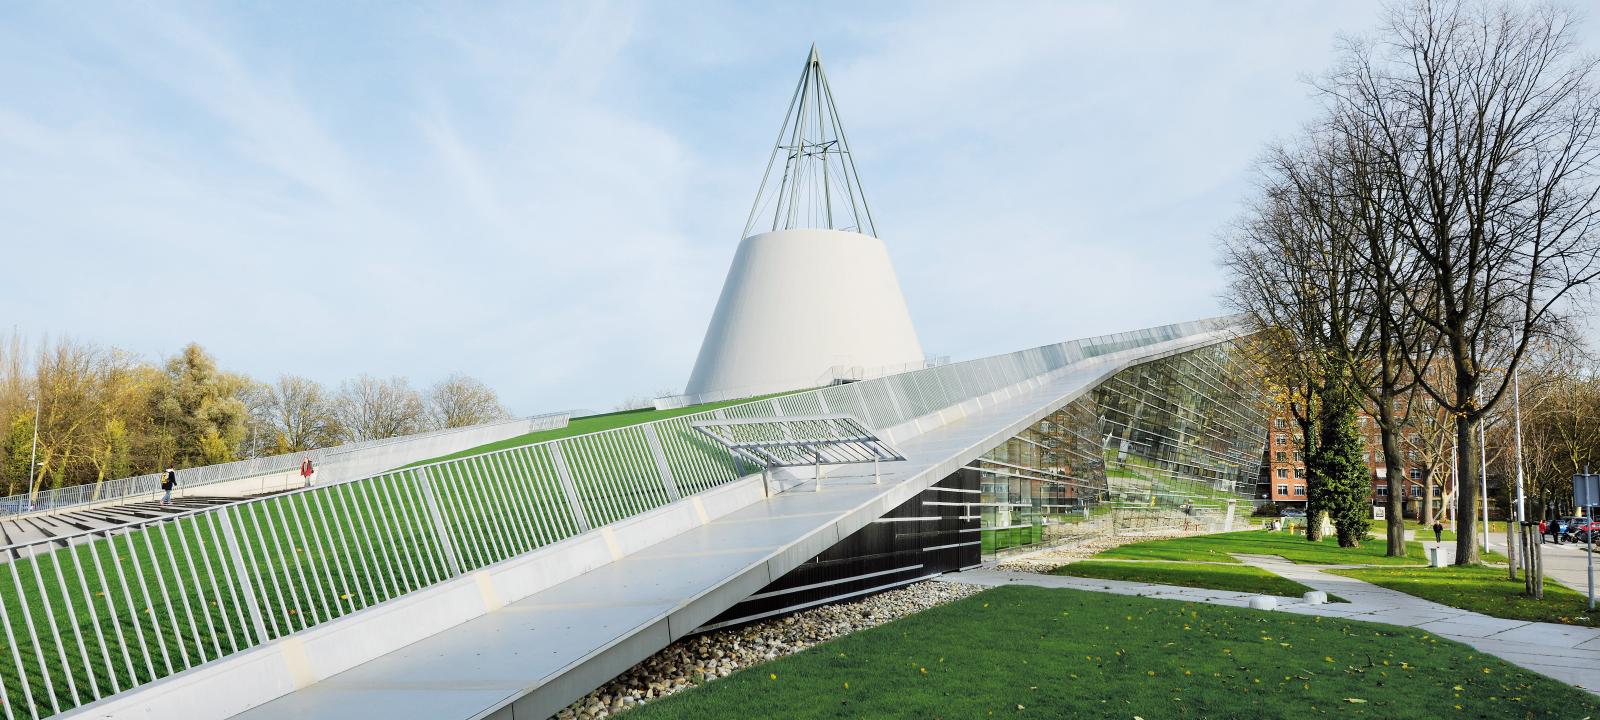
x: 1282, y: 423
x: 1299, y: 456
x: 1383, y: 490
x: 1299, y: 472
x: 1416, y: 473
x: 1283, y: 439
x: 1300, y: 490
x: 1283, y: 456
x: 1283, y: 472
x: 1283, y: 489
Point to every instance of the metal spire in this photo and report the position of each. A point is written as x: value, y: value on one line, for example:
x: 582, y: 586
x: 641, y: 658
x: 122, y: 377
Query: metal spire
x: 819, y: 186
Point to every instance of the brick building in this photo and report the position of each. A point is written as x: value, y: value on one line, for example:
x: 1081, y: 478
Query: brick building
x: 1284, y: 479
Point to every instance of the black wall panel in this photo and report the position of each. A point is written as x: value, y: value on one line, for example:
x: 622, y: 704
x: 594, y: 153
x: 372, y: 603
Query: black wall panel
x: 932, y: 533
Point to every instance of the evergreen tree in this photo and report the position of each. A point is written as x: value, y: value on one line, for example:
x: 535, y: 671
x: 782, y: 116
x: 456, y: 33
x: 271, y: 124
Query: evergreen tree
x: 1338, y: 463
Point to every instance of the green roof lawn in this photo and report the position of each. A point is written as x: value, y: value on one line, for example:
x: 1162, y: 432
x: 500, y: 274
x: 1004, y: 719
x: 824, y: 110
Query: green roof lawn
x: 596, y: 423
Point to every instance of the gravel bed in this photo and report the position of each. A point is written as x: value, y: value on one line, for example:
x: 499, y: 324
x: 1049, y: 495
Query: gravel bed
x: 700, y: 658
x: 1044, y: 561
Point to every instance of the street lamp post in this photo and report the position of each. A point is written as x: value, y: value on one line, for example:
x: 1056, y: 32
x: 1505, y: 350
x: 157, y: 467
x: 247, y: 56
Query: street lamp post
x: 1516, y: 411
x: 1483, y: 481
x: 33, y: 456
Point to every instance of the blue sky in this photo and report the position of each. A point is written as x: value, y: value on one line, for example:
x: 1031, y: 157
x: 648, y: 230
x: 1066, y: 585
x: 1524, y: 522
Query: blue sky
x: 546, y: 196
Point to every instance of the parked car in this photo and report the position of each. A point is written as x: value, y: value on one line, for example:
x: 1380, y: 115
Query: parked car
x: 1293, y: 513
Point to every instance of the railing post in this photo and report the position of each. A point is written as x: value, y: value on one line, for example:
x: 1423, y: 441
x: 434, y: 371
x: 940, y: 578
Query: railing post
x: 239, y: 571
x: 567, y: 487
x: 421, y: 475
x: 667, y: 480
x: 894, y: 401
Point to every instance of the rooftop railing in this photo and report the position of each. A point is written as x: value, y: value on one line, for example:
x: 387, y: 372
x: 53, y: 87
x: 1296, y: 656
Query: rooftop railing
x: 118, y: 607
x: 365, y: 453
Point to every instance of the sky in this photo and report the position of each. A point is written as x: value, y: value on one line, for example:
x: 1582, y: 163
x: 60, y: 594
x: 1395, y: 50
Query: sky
x: 546, y: 196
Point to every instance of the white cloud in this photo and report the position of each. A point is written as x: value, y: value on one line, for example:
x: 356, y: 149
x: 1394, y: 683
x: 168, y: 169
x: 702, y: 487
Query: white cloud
x: 547, y: 196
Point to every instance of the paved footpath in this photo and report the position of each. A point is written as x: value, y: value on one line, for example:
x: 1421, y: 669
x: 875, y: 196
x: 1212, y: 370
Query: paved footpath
x: 1564, y: 652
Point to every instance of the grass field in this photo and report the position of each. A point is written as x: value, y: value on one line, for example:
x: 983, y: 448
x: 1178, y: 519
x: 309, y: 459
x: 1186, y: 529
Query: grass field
x: 596, y: 423
x: 100, y: 617
x: 1482, y: 589
x: 1290, y: 546
x: 1021, y: 651
x: 146, y: 603
x: 1214, y: 576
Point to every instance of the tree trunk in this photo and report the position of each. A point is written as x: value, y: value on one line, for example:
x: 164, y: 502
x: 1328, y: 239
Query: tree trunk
x: 1426, y: 516
x: 1513, y: 552
x: 1466, y: 492
x: 1395, y: 521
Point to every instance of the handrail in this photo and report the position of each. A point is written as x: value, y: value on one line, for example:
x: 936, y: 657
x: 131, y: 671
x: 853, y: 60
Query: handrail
x: 23, y: 504
x: 289, y: 562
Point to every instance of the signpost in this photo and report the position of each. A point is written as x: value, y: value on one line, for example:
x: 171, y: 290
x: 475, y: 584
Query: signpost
x: 1586, y: 494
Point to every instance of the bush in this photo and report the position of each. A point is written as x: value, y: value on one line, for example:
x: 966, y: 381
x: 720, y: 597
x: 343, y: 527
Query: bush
x: 1267, y: 509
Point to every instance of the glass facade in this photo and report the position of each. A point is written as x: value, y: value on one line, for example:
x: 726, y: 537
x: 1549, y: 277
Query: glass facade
x: 1183, y: 433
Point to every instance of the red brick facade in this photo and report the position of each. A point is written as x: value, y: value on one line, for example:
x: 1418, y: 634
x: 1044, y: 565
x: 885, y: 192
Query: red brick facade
x: 1286, y: 468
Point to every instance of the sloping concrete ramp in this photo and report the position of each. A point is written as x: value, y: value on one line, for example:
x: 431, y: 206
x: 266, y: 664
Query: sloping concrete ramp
x: 526, y: 637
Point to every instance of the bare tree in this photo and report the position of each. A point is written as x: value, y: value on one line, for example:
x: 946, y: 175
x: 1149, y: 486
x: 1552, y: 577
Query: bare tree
x: 1486, y: 123
x: 1298, y: 274
x: 459, y: 401
x: 296, y: 414
x: 369, y: 408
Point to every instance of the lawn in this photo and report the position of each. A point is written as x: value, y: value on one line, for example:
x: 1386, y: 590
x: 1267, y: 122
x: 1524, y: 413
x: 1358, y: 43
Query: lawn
x: 1482, y: 589
x: 596, y: 423
x: 1290, y: 546
x: 1023, y: 651
x: 1214, y: 576
x: 104, y: 616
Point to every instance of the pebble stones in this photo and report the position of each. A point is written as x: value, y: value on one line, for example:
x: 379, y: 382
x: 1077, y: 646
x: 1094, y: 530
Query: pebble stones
x: 701, y: 658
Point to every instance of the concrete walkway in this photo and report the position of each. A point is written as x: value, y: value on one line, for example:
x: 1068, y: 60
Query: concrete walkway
x: 1567, y: 653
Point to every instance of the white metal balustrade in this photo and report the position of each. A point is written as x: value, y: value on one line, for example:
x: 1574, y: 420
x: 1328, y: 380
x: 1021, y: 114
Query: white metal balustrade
x: 129, y: 604
x: 363, y: 457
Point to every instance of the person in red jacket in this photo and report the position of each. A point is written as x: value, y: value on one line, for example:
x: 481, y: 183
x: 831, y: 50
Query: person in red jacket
x: 307, y: 470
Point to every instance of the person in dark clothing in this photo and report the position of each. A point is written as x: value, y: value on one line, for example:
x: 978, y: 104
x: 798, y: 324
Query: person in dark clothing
x: 1438, y: 531
x: 168, y: 483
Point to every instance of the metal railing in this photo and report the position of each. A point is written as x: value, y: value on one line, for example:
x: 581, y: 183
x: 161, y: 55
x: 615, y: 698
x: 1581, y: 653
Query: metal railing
x: 362, y: 457
x: 834, y: 375
x: 117, y: 607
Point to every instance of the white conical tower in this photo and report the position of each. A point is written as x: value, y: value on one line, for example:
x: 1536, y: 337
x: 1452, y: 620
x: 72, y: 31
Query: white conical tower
x: 811, y: 291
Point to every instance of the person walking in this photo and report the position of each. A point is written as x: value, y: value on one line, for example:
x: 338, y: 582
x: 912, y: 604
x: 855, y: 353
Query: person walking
x: 1438, y: 532
x: 168, y: 483
x: 307, y: 470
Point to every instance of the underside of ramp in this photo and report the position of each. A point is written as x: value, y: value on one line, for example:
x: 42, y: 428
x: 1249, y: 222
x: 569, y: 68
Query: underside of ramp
x: 532, y: 657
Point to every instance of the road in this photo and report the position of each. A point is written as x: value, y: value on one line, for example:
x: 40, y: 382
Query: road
x: 1565, y: 563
